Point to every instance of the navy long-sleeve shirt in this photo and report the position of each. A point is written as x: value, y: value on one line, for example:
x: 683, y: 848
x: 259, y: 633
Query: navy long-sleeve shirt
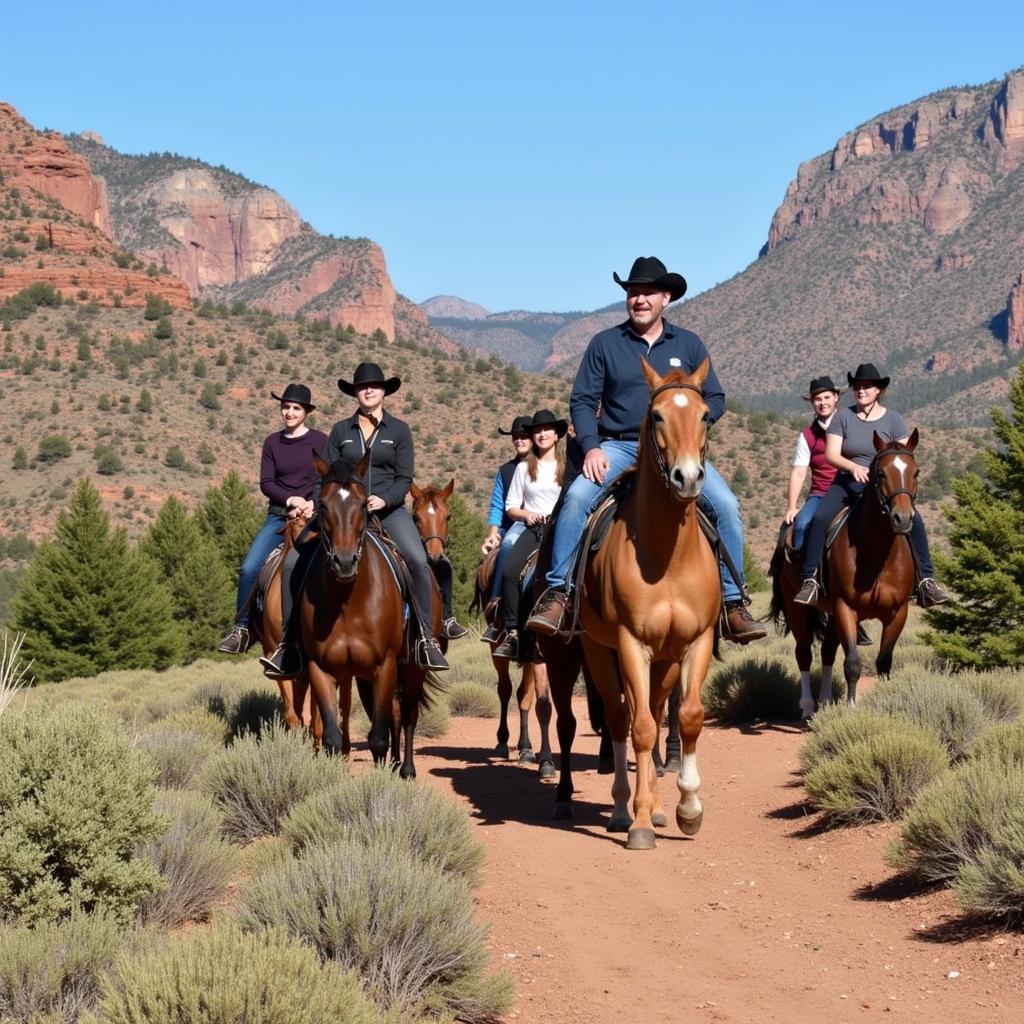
x: 610, y: 379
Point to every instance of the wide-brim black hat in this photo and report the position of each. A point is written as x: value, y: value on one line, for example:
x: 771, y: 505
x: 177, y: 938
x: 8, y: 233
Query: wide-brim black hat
x: 820, y: 384
x: 296, y: 393
x: 546, y: 418
x: 868, y: 372
x: 520, y: 425
x: 650, y: 270
x: 369, y: 373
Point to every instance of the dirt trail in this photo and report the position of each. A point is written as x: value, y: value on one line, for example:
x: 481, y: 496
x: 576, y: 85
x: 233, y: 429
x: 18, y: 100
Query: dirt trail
x: 763, y: 917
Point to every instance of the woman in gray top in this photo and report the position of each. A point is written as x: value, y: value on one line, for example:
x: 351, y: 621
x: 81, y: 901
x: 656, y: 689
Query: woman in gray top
x: 850, y: 447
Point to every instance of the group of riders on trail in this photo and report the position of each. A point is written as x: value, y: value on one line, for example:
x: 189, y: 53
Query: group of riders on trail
x: 557, y: 477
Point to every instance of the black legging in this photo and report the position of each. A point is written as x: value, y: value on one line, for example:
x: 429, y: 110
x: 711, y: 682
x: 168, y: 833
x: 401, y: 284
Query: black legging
x: 525, y: 545
x: 845, y: 491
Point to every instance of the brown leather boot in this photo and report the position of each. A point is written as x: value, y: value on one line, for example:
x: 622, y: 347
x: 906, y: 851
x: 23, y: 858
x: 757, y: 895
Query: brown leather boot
x: 548, y: 612
x: 741, y: 626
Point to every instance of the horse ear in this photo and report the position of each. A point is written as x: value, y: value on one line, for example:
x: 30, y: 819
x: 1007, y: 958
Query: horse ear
x: 880, y: 445
x: 415, y: 491
x: 912, y: 440
x: 449, y: 490
x: 653, y: 380
x: 364, y: 463
x: 323, y: 468
x: 701, y: 373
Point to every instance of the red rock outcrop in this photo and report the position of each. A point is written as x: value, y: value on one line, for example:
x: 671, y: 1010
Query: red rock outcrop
x: 1004, y: 128
x: 1015, y: 315
x: 101, y: 284
x: 45, y: 163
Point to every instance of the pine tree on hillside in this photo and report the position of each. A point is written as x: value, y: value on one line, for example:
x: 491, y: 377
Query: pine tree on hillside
x: 985, y: 628
x: 191, y: 566
x: 465, y: 531
x: 89, y: 603
x: 230, y: 517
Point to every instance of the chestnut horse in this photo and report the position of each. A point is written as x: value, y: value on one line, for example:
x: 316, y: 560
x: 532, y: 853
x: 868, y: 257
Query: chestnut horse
x: 649, y: 603
x: 353, y: 624
x: 502, y: 666
x: 869, y: 570
x: 266, y: 627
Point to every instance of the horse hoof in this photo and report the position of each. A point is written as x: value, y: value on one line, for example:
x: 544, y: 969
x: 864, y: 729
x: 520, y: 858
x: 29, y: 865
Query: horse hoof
x: 659, y: 819
x: 672, y: 765
x: 547, y: 770
x: 659, y: 770
x: 806, y: 711
x: 619, y: 824
x: 606, y: 766
x: 689, y: 826
x: 527, y: 757
x: 501, y: 750
x: 562, y: 811
x: 641, y: 839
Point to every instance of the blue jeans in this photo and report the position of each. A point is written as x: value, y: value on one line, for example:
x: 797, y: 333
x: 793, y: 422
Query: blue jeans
x: 508, y: 542
x: 803, y: 521
x: 263, y: 543
x: 584, y: 496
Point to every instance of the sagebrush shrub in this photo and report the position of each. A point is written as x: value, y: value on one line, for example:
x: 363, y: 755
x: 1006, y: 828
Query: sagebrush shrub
x: 1002, y: 744
x: 471, y: 700
x: 405, y: 927
x: 836, y: 728
x: 51, y: 970
x: 178, y: 753
x: 75, y: 801
x: 992, y: 881
x: 255, y: 782
x: 379, y: 807
x: 876, y: 778
x: 954, y: 819
x: 751, y: 690
x: 195, y: 864
x: 223, y: 976
x: 253, y: 712
x: 940, y: 703
x: 1000, y: 692
x: 434, y: 721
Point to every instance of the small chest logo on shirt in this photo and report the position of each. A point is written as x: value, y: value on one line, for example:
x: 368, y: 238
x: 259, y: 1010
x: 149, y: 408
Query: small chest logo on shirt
x: 386, y: 440
x: 675, y: 361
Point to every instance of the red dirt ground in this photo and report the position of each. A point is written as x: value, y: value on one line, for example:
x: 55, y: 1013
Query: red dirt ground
x: 763, y: 917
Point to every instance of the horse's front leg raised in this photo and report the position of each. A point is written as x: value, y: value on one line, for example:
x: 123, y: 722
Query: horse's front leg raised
x: 891, y: 631
x: 846, y: 626
x: 635, y: 670
x: 689, y: 812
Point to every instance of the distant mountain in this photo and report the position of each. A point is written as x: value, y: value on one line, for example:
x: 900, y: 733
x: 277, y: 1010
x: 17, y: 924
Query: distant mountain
x: 453, y: 307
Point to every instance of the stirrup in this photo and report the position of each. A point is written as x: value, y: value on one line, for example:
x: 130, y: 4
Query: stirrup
x: 428, y: 655
x: 286, y: 662
x: 808, y: 592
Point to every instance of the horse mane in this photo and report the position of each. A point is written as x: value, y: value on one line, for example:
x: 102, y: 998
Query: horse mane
x: 343, y: 472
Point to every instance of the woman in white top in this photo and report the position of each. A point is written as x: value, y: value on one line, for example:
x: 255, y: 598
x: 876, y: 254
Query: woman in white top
x: 532, y: 494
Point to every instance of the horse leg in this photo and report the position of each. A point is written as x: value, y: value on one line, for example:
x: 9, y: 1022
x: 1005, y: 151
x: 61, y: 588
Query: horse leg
x: 542, y: 690
x: 689, y: 812
x: 672, y: 739
x: 563, y: 661
x: 595, y: 711
x: 382, y: 698
x: 412, y: 693
x: 891, y: 631
x: 664, y: 683
x: 505, y: 696
x: 603, y: 669
x: 525, y: 696
x: 799, y: 624
x: 845, y: 624
x: 829, y: 646
x: 325, y: 690
x: 288, y: 688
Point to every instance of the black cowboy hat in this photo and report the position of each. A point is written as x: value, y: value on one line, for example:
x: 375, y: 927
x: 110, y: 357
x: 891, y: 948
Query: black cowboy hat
x: 520, y: 425
x: 546, y: 418
x: 650, y: 270
x: 820, y: 384
x: 296, y: 393
x: 369, y: 373
x: 868, y: 372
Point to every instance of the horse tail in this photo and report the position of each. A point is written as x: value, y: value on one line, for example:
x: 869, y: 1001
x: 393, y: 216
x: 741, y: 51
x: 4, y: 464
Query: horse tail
x: 777, y: 609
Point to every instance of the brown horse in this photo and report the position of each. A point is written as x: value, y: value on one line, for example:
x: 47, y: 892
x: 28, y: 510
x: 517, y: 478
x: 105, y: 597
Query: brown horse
x: 869, y: 574
x: 649, y: 604
x: 266, y: 627
x: 431, y: 515
x: 502, y: 666
x: 353, y: 625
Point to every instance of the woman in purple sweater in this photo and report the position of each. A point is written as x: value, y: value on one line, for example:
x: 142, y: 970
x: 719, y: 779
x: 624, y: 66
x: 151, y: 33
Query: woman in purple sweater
x: 287, y: 477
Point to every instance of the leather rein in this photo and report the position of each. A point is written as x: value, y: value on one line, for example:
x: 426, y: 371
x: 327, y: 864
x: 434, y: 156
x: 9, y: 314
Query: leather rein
x: 659, y: 457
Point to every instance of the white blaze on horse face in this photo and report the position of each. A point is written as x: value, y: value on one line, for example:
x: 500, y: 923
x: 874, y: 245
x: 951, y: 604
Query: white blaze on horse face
x: 432, y: 510
x: 681, y: 400
x: 900, y: 465
x: 343, y: 494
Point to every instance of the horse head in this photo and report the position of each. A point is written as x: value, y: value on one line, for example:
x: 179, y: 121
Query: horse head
x: 431, y: 514
x: 343, y: 513
x: 894, y: 473
x: 675, y: 431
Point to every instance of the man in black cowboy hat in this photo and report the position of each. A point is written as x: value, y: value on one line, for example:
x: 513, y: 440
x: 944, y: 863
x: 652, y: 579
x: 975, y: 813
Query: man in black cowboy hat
x: 608, y: 404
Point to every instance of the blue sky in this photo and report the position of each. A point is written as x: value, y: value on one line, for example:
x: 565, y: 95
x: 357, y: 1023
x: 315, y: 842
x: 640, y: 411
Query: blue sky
x: 514, y: 154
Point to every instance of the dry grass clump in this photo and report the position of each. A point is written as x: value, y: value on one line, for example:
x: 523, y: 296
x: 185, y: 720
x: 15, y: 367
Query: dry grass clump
x: 836, y: 728
x: 51, y: 971
x: 195, y: 864
x: 255, y: 782
x: 751, y: 690
x: 955, y: 819
x: 14, y: 674
x: 178, y: 753
x: 942, y: 704
x: 992, y: 881
x: 224, y: 976
x: 1001, y: 693
x: 471, y: 700
x: 253, y: 712
x: 878, y: 777
x: 434, y: 721
x: 405, y: 927
x: 1002, y: 744
x: 379, y: 808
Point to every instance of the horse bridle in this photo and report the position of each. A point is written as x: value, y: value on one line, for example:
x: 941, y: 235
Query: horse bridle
x: 884, y: 500
x: 659, y: 457
x: 433, y: 536
x: 332, y: 559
